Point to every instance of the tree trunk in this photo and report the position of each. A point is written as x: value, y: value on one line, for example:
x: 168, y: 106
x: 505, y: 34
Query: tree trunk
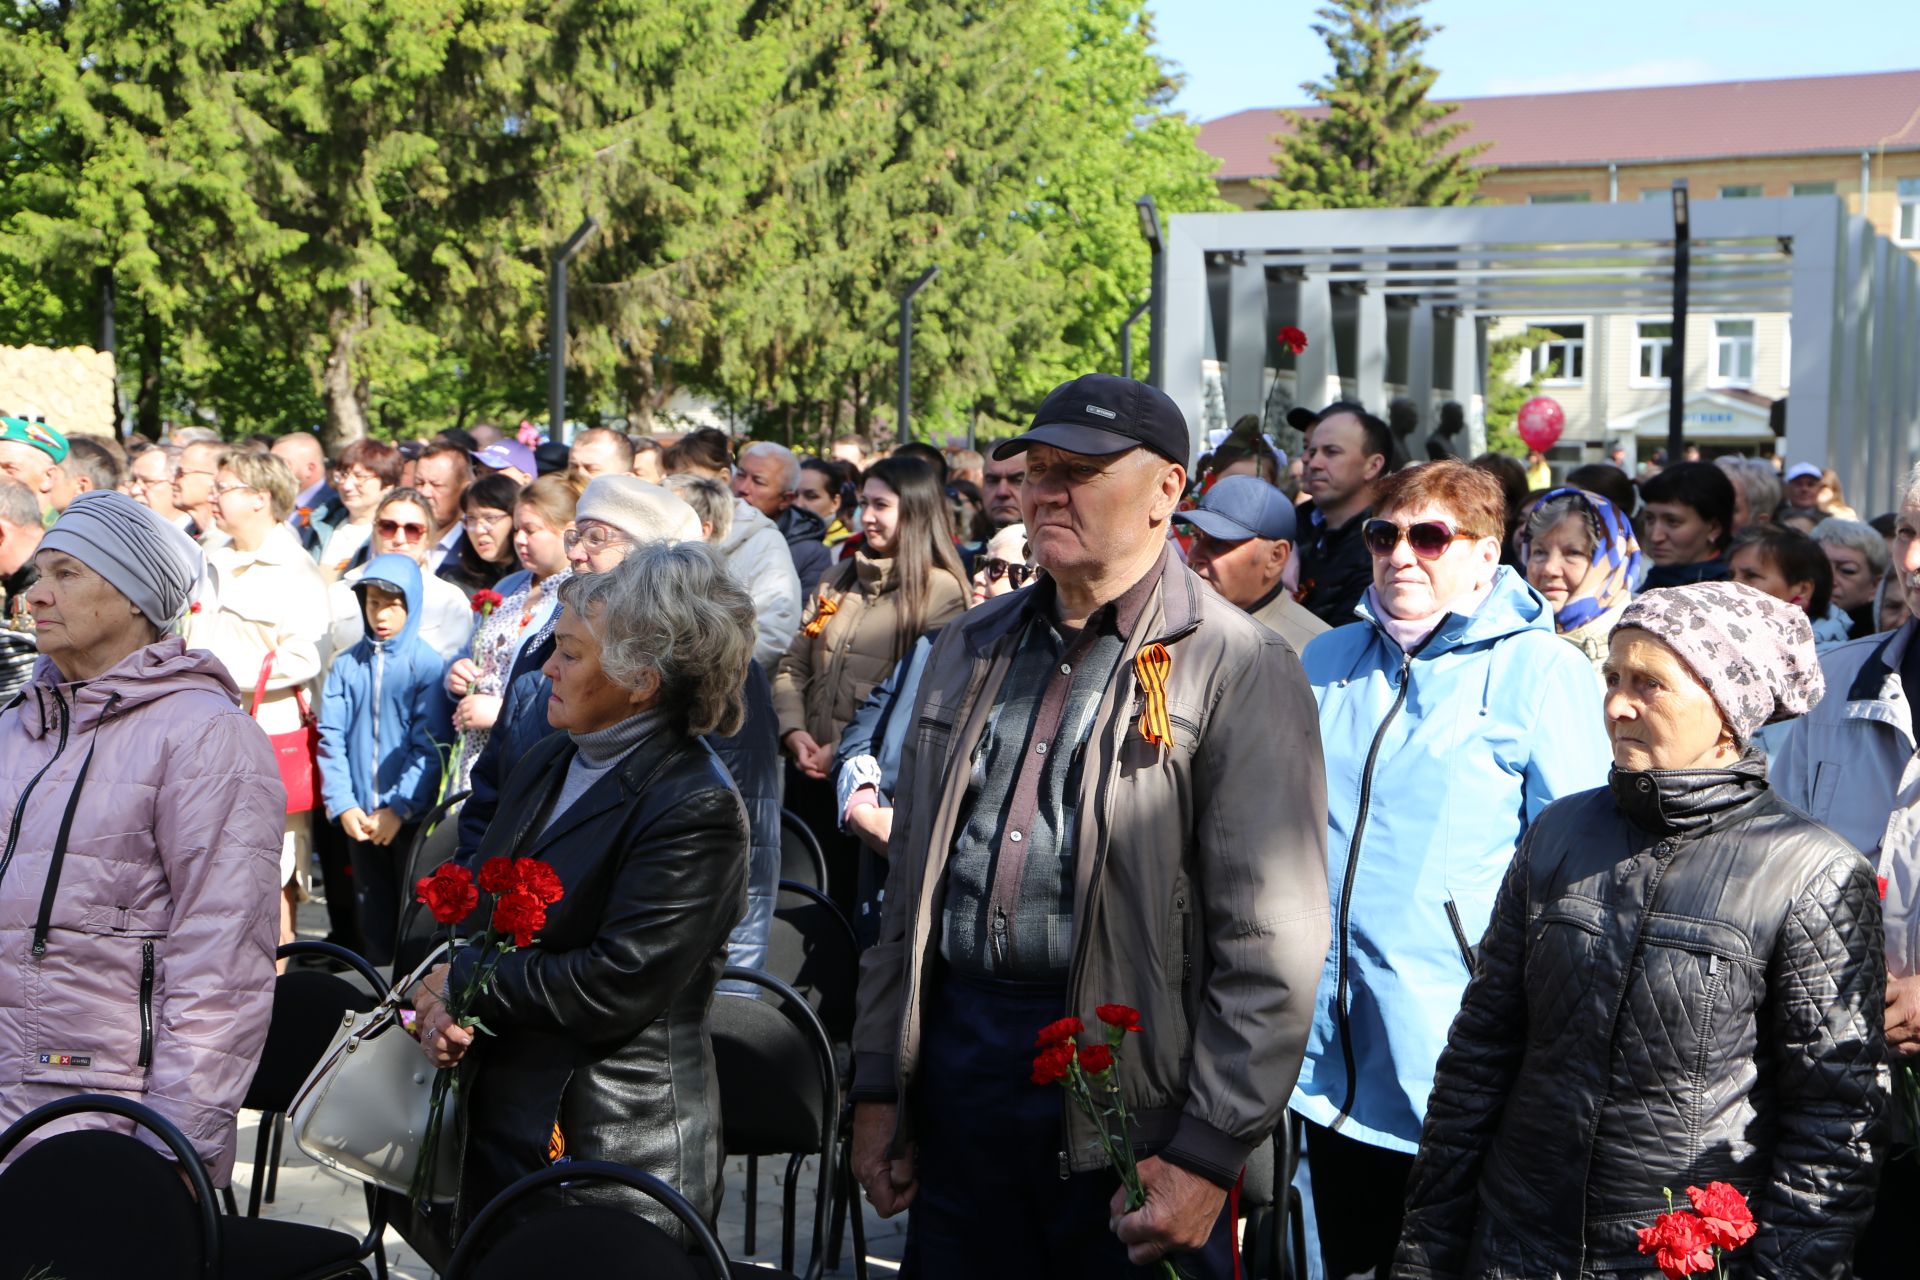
x: 147, y: 400
x: 340, y: 390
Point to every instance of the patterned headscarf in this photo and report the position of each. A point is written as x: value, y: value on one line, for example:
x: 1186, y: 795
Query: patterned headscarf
x: 1615, y: 548
x: 1753, y: 653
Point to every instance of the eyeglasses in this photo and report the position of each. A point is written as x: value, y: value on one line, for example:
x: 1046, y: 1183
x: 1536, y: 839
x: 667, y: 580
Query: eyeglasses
x: 1429, y: 538
x: 222, y: 490
x: 481, y: 520
x: 394, y: 528
x: 1017, y: 574
x: 181, y: 473
x: 355, y: 477
x: 596, y: 539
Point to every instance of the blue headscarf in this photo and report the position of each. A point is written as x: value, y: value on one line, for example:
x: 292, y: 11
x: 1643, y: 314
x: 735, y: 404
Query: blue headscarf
x: 1615, y: 548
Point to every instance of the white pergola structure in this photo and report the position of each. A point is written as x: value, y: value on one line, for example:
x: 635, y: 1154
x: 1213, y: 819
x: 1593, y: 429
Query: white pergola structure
x: 1424, y: 282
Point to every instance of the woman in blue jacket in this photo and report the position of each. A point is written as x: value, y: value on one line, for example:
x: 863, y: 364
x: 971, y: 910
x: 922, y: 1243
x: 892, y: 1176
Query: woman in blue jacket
x: 381, y: 719
x: 1450, y: 717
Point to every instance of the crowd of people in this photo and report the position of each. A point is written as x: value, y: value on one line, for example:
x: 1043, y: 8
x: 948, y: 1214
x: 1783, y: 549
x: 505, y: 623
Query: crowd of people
x: 1523, y: 846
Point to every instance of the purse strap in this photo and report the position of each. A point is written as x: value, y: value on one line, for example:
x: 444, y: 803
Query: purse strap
x: 260, y: 685
x: 396, y: 997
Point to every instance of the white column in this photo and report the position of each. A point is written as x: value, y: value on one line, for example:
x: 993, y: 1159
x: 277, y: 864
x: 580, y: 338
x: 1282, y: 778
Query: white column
x: 1247, y: 337
x: 1180, y: 325
x: 1466, y: 382
x: 1817, y: 334
x: 1315, y: 366
x: 1371, y: 363
x: 1420, y: 372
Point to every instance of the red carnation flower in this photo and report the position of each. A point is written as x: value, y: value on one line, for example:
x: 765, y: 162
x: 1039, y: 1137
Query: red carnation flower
x: 1724, y: 1212
x: 1680, y: 1245
x: 485, y: 601
x: 1051, y: 1063
x: 541, y: 880
x: 497, y: 875
x: 1293, y: 339
x: 1059, y: 1032
x: 1095, y: 1058
x: 520, y: 914
x: 1882, y: 881
x: 448, y: 893
x: 1119, y: 1016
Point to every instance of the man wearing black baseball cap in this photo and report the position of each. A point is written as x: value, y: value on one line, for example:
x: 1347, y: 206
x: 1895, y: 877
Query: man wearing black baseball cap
x: 1112, y: 815
x: 1243, y: 535
x: 1348, y: 449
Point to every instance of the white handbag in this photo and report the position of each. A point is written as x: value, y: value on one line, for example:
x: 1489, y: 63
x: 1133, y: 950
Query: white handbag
x: 364, y: 1108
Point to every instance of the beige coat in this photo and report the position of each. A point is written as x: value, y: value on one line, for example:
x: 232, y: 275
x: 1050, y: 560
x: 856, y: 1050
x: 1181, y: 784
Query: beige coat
x: 273, y: 599
x: 823, y: 678
x: 1200, y: 872
x: 1289, y: 620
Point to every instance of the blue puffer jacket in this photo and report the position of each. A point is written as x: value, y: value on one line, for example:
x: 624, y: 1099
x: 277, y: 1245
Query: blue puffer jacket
x: 383, y: 711
x: 1436, y: 764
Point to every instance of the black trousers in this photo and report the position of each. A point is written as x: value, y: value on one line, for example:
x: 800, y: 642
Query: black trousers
x: 1886, y: 1246
x: 992, y: 1201
x: 1359, y: 1197
x: 377, y: 869
x: 336, y: 878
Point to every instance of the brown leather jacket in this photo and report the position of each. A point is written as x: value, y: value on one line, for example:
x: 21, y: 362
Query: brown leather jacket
x: 1200, y: 893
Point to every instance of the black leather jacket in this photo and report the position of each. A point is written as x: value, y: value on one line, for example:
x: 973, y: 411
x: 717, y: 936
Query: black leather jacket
x: 1682, y: 981
x: 600, y: 1025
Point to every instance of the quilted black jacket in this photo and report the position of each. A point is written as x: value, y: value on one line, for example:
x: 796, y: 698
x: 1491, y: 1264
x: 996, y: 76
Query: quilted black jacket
x: 1682, y: 981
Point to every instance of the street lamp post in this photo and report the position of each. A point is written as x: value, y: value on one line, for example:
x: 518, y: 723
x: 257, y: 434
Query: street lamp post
x: 1677, y: 380
x: 1126, y: 337
x: 557, y: 328
x: 924, y: 279
x: 1150, y: 232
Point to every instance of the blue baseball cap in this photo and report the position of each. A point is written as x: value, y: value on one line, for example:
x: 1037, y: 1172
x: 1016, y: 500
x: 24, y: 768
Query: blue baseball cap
x: 508, y: 453
x: 1242, y: 507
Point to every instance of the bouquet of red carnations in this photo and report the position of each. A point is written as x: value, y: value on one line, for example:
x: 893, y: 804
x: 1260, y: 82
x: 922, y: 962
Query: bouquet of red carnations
x: 1091, y: 1076
x: 1696, y: 1241
x: 522, y: 889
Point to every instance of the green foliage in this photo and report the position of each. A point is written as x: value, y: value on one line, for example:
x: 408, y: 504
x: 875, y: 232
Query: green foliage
x: 340, y: 212
x: 1380, y: 144
x: 1505, y: 395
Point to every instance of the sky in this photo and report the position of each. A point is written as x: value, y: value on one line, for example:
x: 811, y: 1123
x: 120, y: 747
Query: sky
x: 1256, y: 53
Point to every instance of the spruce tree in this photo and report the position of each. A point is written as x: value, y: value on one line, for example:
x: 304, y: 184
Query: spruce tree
x: 1381, y: 143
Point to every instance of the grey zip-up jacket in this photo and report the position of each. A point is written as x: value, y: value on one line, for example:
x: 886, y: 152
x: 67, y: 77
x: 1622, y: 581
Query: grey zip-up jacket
x: 1200, y: 882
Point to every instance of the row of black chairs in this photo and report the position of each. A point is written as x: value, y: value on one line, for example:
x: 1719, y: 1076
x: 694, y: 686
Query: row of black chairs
x: 162, y: 1228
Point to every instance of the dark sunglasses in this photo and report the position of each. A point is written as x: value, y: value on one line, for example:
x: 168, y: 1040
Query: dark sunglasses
x: 1429, y: 538
x: 1014, y: 573
x: 393, y: 528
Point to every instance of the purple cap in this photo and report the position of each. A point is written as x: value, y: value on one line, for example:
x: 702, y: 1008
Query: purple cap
x: 508, y: 453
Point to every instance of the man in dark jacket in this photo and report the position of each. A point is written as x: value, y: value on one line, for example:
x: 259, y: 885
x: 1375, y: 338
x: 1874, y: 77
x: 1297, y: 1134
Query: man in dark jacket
x: 629, y: 511
x: 1348, y: 449
x: 767, y: 477
x: 1174, y: 861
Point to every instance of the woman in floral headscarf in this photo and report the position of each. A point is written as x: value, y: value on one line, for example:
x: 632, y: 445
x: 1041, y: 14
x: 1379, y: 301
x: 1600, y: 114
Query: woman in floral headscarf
x: 1580, y: 554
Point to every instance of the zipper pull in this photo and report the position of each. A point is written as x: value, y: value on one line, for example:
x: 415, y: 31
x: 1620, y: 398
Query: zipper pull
x: 1065, y: 1173
x: 1000, y: 943
x: 1713, y: 965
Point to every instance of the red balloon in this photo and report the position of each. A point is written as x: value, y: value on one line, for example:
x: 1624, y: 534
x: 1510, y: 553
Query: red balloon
x: 1540, y: 422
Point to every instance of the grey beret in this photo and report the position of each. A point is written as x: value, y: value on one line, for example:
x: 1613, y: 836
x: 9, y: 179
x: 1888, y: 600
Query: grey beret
x: 144, y: 558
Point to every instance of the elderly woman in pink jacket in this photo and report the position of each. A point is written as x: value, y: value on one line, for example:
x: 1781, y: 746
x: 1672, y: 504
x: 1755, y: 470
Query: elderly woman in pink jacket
x: 139, y: 877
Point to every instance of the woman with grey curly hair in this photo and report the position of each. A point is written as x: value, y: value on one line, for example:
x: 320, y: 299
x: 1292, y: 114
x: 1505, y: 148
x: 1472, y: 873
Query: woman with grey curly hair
x: 599, y: 1048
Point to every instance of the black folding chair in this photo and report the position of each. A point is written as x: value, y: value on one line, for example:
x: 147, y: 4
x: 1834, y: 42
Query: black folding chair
x: 511, y: 1239
x: 436, y: 841
x: 159, y: 1228
x: 308, y: 1005
x: 800, y: 857
x: 812, y: 946
x: 779, y: 1095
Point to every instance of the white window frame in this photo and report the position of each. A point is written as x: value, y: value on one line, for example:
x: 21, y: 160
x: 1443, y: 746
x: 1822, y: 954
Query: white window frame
x: 1717, y: 379
x: 1906, y: 210
x: 1531, y: 357
x: 1561, y: 197
x: 1742, y: 191
x: 1634, y: 377
x: 1832, y: 188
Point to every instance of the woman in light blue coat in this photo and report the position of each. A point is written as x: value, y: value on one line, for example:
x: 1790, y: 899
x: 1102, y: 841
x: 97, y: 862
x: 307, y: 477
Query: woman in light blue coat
x: 1451, y: 715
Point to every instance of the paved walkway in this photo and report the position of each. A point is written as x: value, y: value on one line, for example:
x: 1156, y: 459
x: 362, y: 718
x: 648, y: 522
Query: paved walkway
x: 320, y: 1197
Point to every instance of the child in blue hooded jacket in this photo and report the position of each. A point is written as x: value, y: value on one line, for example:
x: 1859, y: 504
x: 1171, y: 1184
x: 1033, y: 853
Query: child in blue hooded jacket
x: 384, y: 708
